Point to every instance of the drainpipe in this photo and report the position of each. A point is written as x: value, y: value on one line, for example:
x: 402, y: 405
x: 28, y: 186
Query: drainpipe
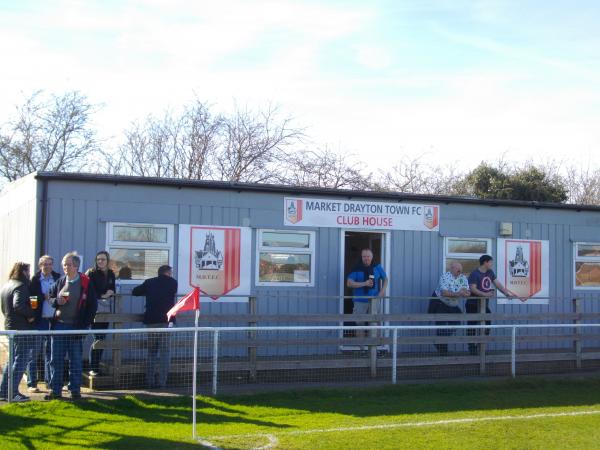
x: 42, y: 248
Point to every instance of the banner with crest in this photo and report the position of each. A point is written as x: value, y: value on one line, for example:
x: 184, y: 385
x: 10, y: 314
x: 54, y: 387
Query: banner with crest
x: 523, y: 267
x: 216, y: 260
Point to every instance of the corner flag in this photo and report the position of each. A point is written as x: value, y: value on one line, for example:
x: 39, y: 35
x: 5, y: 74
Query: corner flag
x: 188, y: 303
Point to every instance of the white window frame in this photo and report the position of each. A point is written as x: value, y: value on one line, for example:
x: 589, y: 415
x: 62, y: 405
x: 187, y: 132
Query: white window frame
x: 113, y: 244
x: 448, y: 254
x: 576, y: 259
x: 294, y: 250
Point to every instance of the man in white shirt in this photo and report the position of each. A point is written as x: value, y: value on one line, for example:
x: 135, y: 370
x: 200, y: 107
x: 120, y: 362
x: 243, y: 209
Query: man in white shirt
x: 452, y: 289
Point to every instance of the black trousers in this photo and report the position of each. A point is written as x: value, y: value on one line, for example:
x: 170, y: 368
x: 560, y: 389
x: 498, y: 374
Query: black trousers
x: 436, y: 306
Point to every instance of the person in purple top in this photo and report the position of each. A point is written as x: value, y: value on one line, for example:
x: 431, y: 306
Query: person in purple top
x: 483, y: 283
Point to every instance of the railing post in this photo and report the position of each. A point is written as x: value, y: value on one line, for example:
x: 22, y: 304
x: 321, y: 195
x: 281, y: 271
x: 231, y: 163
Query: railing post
x: 577, y: 332
x: 513, y: 352
x: 394, y: 355
x: 9, y: 367
x: 252, y: 337
x: 482, y: 333
x: 215, y: 361
x: 373, y: 334
x: 117, y: 340
x: 195, y: 378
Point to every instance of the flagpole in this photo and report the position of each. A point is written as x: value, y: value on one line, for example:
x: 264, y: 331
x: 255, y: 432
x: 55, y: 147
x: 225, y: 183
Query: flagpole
x: 194, y: 374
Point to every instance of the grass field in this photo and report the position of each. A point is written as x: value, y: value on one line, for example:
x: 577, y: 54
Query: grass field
x: 531, y: 414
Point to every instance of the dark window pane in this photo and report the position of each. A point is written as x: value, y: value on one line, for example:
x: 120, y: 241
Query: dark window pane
x: 587, y: 274
x: 294, y: 240
x: 284, y: 268
x: 467, y: 246
x: 137, y: 264
x: 126, y: 233
x: 588, y: 250
x: 468, y: 265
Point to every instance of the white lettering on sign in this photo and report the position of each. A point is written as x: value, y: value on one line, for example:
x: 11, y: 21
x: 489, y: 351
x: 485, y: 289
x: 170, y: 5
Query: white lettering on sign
x: 314, y: 212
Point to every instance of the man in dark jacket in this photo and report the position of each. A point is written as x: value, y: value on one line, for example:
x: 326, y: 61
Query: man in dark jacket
x: 18, y: 315
x: 75, y: 301
x: 41, y: 283
x: 160, y: 297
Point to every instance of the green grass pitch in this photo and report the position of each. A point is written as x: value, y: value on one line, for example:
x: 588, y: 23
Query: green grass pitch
x: 522, y: 414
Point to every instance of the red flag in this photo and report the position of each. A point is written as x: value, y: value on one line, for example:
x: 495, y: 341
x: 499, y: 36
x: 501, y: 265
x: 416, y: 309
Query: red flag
x: 190, y: 302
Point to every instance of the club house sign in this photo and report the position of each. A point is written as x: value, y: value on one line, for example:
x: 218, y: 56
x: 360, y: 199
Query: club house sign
x: 315, y: 212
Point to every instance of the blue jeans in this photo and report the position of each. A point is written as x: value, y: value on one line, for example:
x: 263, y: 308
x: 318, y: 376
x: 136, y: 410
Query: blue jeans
x: 21, y: 349
x: 41, y: 343
x: 72, y: 347
x: 159, y: 356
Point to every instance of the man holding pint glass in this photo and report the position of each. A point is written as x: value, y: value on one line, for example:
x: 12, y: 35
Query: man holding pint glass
x: 368, y: 281
x: 41, y: 283
x: 76, y: 304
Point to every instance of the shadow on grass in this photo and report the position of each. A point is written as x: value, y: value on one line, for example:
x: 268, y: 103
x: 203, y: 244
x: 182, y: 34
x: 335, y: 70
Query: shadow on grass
x: 17, y: 426
x: 430, y: 398
x: 171, y: 410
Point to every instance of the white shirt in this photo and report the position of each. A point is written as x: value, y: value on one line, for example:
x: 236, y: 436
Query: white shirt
x: 451, y: 284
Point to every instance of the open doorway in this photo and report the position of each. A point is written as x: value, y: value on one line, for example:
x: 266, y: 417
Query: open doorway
x: 353, y: 243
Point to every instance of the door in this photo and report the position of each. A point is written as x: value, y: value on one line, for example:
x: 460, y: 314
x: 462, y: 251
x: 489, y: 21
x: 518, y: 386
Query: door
x: 353, y: 242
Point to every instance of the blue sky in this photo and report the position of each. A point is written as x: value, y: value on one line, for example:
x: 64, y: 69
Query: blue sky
x: 457, y: 81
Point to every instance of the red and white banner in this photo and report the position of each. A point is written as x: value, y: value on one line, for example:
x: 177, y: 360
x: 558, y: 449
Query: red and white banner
x: 319, y: 212
x: 215, y: 260
x: 523, y: 267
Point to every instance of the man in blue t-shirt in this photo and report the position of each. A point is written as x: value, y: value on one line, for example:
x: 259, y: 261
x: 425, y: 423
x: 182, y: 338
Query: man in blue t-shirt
x: 368, y: 281
x: 483, y: 283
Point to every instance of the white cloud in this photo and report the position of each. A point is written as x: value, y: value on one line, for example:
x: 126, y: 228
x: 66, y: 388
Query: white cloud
x: 373, y: 57
x: 148, y: 55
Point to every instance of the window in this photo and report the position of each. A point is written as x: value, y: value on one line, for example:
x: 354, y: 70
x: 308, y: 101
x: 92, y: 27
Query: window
x: 138, y: 250
x: 285, y: 258
x: 466, y: 251
x: 587, y: 265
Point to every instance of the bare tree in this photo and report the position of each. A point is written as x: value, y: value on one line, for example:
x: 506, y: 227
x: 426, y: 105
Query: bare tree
x: 412, y: 175
x: 324, y: 168
x: 48, y: 133
x: 254, y: 146
x: 197, y: 145
x: 583, y: 185
x: 176, y: 145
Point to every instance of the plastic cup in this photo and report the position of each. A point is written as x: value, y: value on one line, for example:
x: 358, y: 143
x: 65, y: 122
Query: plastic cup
x: 33, y: 300
x: 65, y: 296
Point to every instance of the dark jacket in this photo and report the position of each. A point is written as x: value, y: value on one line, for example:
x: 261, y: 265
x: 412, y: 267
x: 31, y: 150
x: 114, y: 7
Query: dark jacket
x: 160, y: 297
x: 88, y: 304
x: 36, y: 289
x: 102, y: 282
x: 15, y: 306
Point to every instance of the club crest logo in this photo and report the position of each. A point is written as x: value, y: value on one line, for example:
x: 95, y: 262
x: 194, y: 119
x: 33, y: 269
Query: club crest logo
x: 293, y: 210
x: 519, y: 267
x: 431, y: 217
x: 523, y: 272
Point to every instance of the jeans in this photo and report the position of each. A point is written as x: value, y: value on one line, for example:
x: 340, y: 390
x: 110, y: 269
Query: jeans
x: 41, y: 343
x: 159, y: 356
x: 71, y: 346
x: 472, y: 307
x: 21, y: 349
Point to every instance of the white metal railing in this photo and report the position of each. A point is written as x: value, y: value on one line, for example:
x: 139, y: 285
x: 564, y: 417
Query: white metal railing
x: 213, y: 337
